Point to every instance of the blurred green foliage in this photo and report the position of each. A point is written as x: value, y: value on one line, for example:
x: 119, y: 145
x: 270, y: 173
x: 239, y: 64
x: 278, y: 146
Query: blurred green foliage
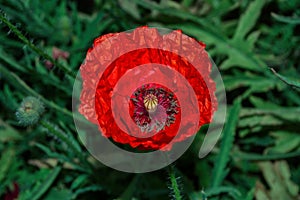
x: 257, y: 157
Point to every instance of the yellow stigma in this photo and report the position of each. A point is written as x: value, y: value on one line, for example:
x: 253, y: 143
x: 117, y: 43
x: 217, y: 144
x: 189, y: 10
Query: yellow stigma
x: 150, y: 102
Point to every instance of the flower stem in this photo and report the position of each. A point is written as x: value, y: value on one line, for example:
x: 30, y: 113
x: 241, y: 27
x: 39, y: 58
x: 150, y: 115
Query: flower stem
x: 174, y: 183
x: 33, y: 47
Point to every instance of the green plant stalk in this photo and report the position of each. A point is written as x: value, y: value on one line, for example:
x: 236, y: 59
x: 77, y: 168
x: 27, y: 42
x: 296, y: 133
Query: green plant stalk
x: 66, y: 140
x: 220, y: 170
x: 35, y: 48
x: 18, y: 83
x: 174, y: 184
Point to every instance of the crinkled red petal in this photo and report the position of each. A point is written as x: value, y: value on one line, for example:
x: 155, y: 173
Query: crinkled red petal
x: 100, y: 77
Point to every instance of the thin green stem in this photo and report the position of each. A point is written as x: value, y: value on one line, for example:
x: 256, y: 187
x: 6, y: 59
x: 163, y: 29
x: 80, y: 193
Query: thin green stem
x: 18, y: 83
x: 293, y: 84
x: 174, y: 183
x: 33, y: 47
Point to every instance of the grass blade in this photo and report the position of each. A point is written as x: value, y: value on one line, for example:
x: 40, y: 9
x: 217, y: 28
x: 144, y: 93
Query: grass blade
x: 294, y: 84
x: 219, y: 171
x: 39, y: 191
x: 248, y: 20
x: 289, y: 20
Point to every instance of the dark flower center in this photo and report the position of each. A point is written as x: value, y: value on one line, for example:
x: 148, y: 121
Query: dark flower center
x: 154, y: 107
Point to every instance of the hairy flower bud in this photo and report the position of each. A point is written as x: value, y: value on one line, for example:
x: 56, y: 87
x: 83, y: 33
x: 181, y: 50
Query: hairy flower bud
x: 29, y: 111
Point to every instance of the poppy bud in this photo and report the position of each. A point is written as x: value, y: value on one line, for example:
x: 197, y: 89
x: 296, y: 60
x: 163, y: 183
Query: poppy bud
x: 29, y: 111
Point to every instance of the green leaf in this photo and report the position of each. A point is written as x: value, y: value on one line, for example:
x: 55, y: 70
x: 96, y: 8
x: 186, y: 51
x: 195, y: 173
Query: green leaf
x: 248, y: 20
x: 260, y: 192
x: 38, y: 50
x: 219, y: 171
x: 260, y: 120
x: 259, y: 83
x: 253, y: 156
x: 240, y: 53
x: 167, y: 10
x: 68, y: 139
x: 52, y: 154
x: 10, y: 60
x: 94, y: 27
x: 237, y: 56
x: 19, y: 84
x: 284, y: 170
x: 130, y: 189
x: 223, y: 189
x: 61, y: 157
x: 83, y: 190
x: 39, y: 191
x: 41, y: 186
x: 56, y: 194
x: 8, y: 133
x: 292, y: 114
x: 285, y: 142
x: 130, y: 7
x: 278, y: 176
x: 210, y: 193
x: 287, y: 80
x: 250, y: 195
x: 289, y: 20
x: 5, y: 162
x: 260, y: 103
x: 78, y: 181
x: 252, y: 38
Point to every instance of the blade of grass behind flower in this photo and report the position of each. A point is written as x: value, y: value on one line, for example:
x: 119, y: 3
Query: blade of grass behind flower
x: 12, y: 62
x: 240, y: 58
x: 170, y: 11
x: 61, y: 158
x: 5, y: 162
x: 220, y: 169
x: 92, y: 188
x: 289, y: 20
x: 18, y: 83
x: 8, y: 133
x: 38, y: 191
x: 248, y: 20
x: 130, y: 190
x: 256, y: 157
x: 213, y: 192
x: 38, y: 50
x: 236, y: 194
x: 239, y: 52
x: 288, y: 81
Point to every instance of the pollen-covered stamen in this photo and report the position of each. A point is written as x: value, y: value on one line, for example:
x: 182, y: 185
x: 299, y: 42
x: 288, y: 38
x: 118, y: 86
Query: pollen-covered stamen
x: 150, y: 102
x: 155, y: 107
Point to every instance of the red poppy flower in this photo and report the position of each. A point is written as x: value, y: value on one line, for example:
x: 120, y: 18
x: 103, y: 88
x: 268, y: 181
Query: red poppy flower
x: 147, y: 89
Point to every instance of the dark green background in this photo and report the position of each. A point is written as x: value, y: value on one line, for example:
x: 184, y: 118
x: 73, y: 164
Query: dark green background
x: 258, y: 155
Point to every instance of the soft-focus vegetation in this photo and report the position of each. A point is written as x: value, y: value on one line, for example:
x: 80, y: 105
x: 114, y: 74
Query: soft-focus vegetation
x: 256, y: 46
